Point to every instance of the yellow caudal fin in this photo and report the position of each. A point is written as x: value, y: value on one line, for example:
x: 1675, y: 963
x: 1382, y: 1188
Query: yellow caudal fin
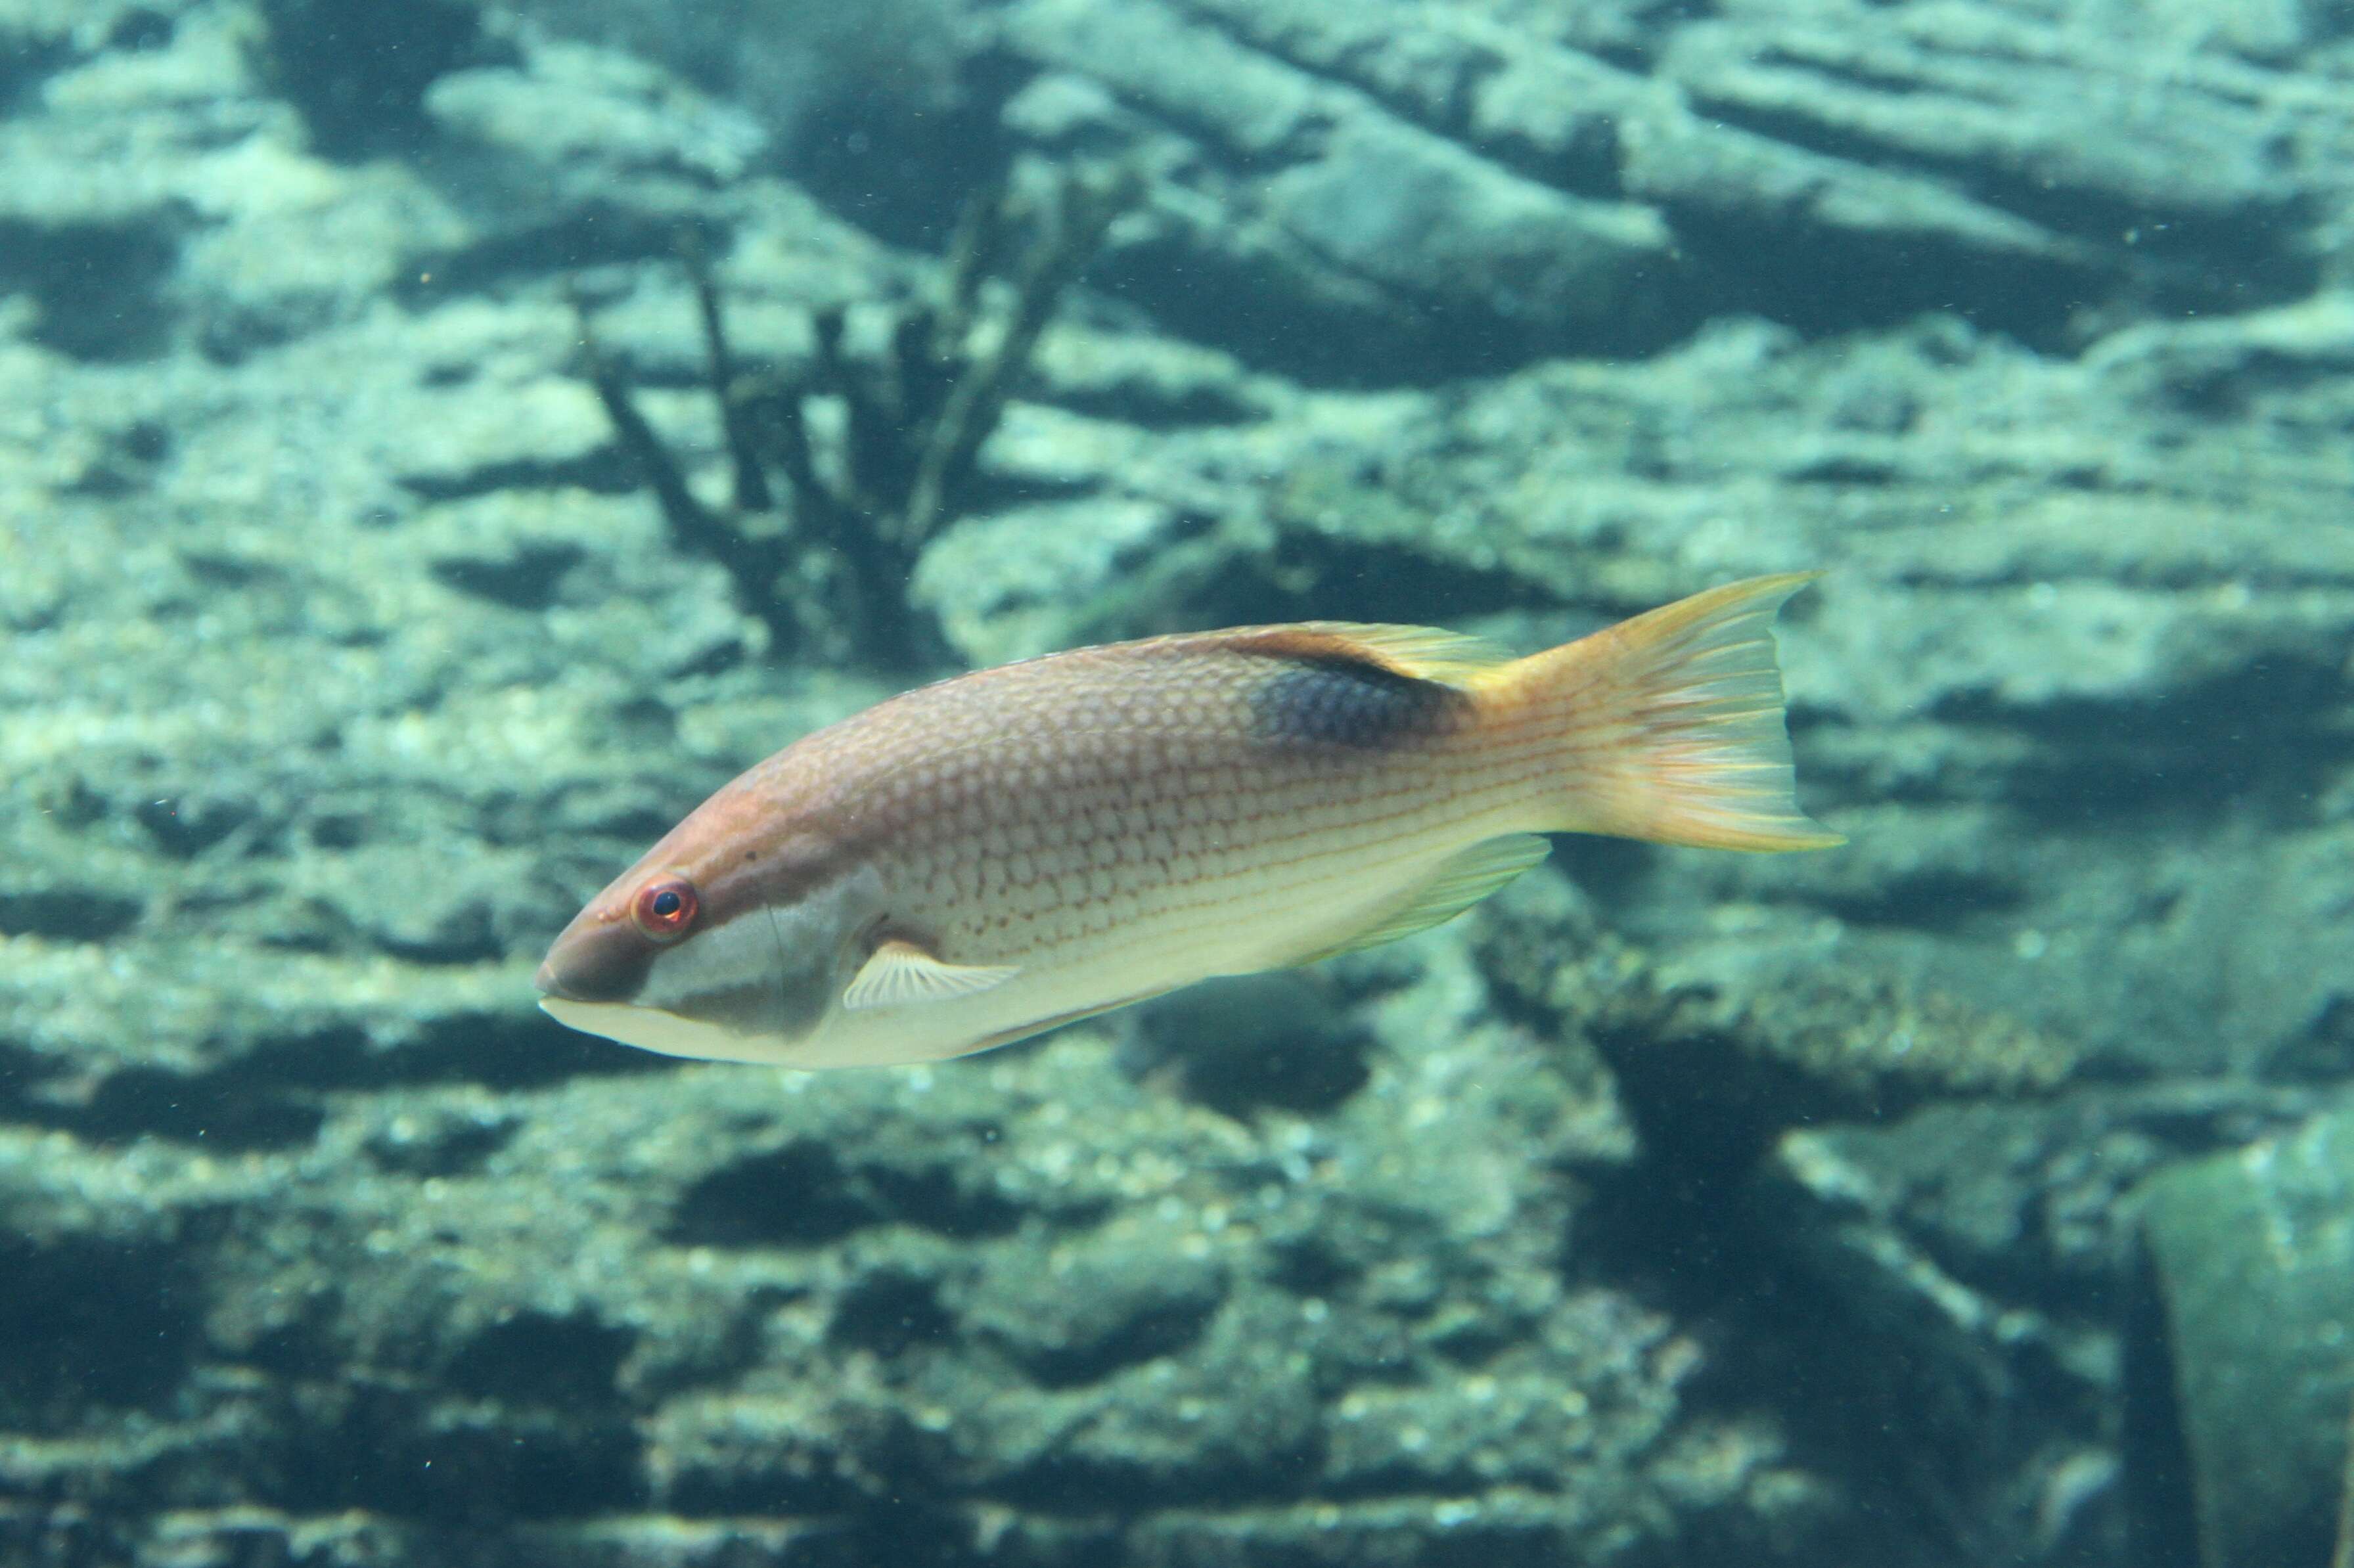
x: 1671, y: 724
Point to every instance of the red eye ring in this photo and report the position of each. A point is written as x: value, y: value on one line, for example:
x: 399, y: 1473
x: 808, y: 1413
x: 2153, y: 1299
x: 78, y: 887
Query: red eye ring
x: 664, y: 909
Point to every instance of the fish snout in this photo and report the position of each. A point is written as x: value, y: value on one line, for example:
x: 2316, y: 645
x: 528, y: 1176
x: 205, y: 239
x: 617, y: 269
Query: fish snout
x: 595, y: 961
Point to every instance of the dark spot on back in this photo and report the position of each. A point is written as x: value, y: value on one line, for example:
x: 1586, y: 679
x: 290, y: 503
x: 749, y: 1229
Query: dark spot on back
x: 1337, y: 699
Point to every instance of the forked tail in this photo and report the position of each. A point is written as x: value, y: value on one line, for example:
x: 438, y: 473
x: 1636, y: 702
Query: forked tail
x: 1670, y: 725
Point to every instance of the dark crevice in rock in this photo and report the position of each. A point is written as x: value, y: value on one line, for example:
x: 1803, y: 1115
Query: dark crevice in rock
x: 1843, y: 1388
x: 224, y: 1110
x: 588, y: 233
x: 89, y: 1322
x: 23, y: 1069
x: 1288, y: 307
x: 517, y: 1049
x: 804, y: 1195
x: 1353, y: 579
x: 603, y: 469
x: 1162, y: 1331
x: 2262, y: 738
x: 529, y: 577
x: 1679, y: 1227
x: 800, y: 1196
x: 1248, y: 1043
x: 941, y: 1197
x: 903, y: 175
x: 138, y: 30
x: 443, y: 1146
x: 536, y: 1359
x: 1613, y: 872
x: 67, y: 914
x: 1080, y: 1487
x: 2159, y: 1479
x: 890, y: 1312
x: 187, y: 824
x: 1151, y: 408
x: 23, y: 63
x: 1255, y: 310
x: 383, y: 1442
x: 358, y: 74
x: 2252, y: 255
x: 2322, y: 1052
x: 1941, y: 899
x: 1311, y: 1265
x: 1675, y: 1219
x: 274, y: 1095
x: 2228, y: 384
x: 99, y: 286
x: 1781, y: 272
x: 910, y: 1533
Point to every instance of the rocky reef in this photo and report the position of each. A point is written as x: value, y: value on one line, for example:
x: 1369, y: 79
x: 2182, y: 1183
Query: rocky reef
x: 1674, y: 1208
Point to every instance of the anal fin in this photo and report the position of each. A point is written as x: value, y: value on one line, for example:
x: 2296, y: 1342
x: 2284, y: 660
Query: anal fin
x: 899, y: 973
x: 1460, y: 880
x: 1053, y: 1021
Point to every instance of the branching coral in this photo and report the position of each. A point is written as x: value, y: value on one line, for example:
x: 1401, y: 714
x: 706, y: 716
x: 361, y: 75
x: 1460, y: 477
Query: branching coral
x: 864, y: 492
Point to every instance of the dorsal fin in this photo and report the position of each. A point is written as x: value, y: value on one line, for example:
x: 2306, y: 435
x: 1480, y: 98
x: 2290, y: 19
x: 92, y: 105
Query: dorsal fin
x: 900, y: 972
x: 1418, y: 652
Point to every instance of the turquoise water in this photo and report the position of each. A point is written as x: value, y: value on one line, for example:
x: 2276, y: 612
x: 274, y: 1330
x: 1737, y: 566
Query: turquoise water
x: 380, y: 575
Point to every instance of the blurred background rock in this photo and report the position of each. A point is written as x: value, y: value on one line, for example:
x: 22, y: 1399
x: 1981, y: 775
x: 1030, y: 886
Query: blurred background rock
x: 1676, y: 1208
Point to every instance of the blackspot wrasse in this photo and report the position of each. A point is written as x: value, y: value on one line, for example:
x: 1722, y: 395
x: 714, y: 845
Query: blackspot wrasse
x: 987, y: 857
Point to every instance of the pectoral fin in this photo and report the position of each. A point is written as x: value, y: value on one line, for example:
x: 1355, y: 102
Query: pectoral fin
x: 1459, y: 882
x: 899, y: 973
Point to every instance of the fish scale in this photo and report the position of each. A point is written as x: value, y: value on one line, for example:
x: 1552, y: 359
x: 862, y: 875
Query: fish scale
x: 1121, y: 888
x: 1139, y: 848
x: 987, y: 856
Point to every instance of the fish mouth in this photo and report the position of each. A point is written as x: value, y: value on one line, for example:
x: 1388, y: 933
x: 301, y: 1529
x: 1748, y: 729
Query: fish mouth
x: 563, y: 976
x: 665, y: 1034
x: 595, y: 961
x: 716, y: 996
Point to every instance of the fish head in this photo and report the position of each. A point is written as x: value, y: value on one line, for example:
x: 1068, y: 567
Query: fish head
x: 731, y: 939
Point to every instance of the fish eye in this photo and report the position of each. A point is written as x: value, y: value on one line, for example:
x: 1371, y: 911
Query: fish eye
x: 664, y: 909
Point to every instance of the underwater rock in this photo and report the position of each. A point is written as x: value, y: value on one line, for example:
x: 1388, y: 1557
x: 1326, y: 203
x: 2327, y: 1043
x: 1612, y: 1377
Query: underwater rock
x: 1765, y: 217
x: 573, y: 155
x: 1937, y: 1270
x: 216, y: 224
x: 815, y: 72
x: 667, y: 1297
x: 1246, y: 1042
x: 1466, y: 239
x: 95, y: 257
x: 341, y: 664
x: 2240, y: 1397
x: 1377, y: 227
x: 544, y: 430
x: 2018, y: 171
x: 2171, y: 177
x: 1834, y: 1050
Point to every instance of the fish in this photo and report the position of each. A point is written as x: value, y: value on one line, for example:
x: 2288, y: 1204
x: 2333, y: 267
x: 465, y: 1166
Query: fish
x: 981, y: 859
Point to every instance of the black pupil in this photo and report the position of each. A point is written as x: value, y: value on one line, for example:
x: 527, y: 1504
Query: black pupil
x: 666, y: 903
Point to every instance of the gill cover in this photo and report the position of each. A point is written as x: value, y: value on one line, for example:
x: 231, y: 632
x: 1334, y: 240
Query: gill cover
x: 749, y: 989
